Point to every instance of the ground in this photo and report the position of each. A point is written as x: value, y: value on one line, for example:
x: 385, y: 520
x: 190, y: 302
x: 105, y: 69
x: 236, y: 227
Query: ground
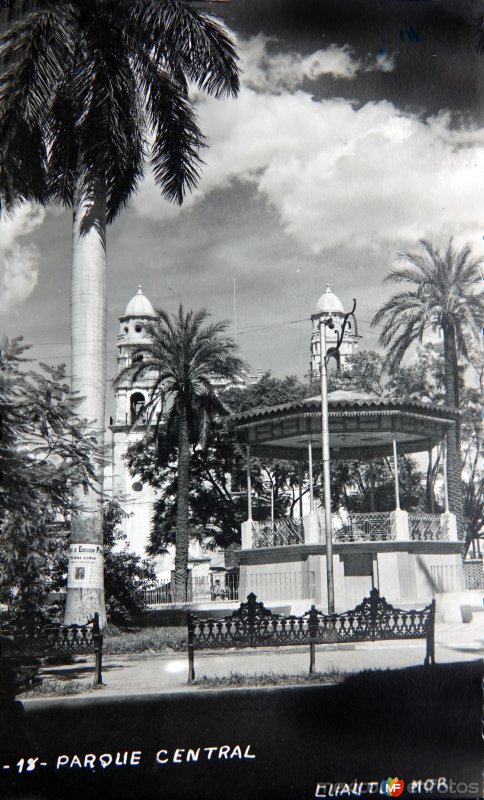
x: 147, y: 673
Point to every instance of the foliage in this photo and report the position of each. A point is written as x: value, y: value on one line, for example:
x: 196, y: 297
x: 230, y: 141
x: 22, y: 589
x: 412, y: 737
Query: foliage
x: 361, y: 372
x: 444, y: 298
x: 90, y: 94
x: 50, y: 687
x: 91, y: 91
x: 46, y: 450
x: 121, y: 641
x: 215, y: 511
x: 126, y: 574
x: 185, y: 356
x: 331, y: 677
x: 351, y: 485
x: 218, y: 502
x: 268, y: 391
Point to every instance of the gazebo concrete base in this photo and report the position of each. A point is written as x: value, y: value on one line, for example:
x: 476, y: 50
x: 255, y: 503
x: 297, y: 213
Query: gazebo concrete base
x: 404, y: 572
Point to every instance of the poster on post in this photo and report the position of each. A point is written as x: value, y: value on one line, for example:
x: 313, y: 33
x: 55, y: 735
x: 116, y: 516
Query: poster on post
x: 241, y: 377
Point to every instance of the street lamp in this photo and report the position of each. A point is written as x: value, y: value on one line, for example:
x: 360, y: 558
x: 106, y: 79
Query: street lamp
x: 325, y: 320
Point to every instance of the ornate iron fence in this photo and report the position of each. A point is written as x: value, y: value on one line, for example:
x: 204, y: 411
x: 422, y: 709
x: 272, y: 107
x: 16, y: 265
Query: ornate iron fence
x: 427, y: 527
x: 50, y: 639
x: 253, y: 625
x: 281, y: 532
x: 373, y: 526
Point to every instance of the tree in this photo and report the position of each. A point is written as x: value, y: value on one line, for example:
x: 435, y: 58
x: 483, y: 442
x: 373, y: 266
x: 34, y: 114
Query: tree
x: 267, y: 391
x: 126, y: 574
x: 90, y: 92
x: 445, y: 299
x: 45, y: 451
x: 216, y: 512
x: 185, y: 356
x: 361, y: 372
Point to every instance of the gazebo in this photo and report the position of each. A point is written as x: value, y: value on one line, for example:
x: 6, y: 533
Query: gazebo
x: 405, y: 555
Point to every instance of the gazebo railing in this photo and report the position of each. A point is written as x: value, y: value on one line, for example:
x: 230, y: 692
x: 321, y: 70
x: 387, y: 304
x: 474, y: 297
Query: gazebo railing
x: 371, y: 526
x: 279, y: 533
x: 427, y: 527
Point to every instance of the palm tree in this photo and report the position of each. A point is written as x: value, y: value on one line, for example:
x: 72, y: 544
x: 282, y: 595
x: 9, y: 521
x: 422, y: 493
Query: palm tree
x: 92, y: 92
x: 184, y: 357
x: 445, y: 298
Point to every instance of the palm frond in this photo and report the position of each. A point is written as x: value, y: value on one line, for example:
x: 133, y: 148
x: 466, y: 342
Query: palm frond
x: 181, y: 35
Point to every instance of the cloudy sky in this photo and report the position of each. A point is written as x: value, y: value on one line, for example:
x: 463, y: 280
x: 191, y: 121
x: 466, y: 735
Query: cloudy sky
x: 357, y: 132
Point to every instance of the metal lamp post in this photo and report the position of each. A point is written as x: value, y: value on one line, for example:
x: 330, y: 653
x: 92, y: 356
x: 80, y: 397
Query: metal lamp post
x: 325, y: 320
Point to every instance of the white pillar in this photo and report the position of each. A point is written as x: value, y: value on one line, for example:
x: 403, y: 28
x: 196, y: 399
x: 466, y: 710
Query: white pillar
x: 431, y: 484
x: 299, y: 480
x: 249, y: 485
x: 444, y: 466
x: 395, y: 468
x: 310, y: 460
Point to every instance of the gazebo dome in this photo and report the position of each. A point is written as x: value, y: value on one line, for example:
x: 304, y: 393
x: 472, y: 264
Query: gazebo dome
x: 329, y: 303
x: 139, y: 306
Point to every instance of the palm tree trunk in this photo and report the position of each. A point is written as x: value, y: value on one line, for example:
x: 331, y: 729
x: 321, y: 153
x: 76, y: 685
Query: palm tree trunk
x: 182, y: 510
x: 454, y: 461
x: 85, y: 583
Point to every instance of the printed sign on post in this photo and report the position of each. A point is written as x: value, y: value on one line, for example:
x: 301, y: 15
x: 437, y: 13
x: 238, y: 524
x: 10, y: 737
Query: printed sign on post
x: 85, y: 566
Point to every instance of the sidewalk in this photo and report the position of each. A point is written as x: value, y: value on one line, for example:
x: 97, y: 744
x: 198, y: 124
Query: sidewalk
x: 153, y: 673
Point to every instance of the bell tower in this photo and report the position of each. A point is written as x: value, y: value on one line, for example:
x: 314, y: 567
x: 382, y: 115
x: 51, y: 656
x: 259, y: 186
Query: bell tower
x: 128, y: 425
x: 331, y: 305
x: 132, y: 331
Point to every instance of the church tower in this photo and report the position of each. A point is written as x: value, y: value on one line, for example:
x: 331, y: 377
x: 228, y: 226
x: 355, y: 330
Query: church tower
x: 132, y: 331
x: 137, y: 498
x: 331, y: 305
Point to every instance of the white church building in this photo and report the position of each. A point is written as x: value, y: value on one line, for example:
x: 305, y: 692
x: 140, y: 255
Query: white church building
x: 129, y: 426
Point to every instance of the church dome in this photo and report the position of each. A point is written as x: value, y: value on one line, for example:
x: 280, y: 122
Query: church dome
x: 329, y: 303
x: 139, y: 306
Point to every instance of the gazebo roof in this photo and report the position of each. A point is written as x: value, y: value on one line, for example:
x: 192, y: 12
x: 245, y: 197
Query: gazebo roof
x: 360, y: 426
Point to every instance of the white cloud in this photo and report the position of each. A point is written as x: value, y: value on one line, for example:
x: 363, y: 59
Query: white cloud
x: 338, y: 174
x: 18, y: 263
x: 278, y: 71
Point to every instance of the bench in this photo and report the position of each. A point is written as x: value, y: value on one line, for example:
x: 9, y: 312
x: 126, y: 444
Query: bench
x: 22, y: 649
x: 253, y: 625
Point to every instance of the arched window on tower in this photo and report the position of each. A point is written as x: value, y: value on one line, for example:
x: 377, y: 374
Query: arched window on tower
x: 137, y: 405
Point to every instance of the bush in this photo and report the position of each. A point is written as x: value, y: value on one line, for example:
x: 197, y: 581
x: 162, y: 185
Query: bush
x: 121, y: 641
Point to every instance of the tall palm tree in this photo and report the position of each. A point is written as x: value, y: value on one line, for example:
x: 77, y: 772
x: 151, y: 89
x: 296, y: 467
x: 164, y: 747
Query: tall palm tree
x: 91, y: 93
x: 184, y: 356
x: 444, y: 298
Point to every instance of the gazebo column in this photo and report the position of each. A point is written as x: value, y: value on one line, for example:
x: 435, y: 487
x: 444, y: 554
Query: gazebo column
x: 449, y: 519
x: 311, y: 488
x: 247, y: 538
x: 299, y: 480
x: 431, y: 483
x: 372, y: 486
x: 311, y: 526
x: 399, y: 518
